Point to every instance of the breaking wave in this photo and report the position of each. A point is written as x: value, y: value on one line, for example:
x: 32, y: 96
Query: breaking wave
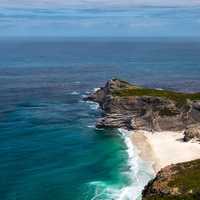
x: 139, y: 172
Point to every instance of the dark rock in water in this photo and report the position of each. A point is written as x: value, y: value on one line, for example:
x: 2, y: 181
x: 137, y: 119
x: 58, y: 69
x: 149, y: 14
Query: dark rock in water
x: 192, y: 132
x: 175, y: 182
x: 132, y: 107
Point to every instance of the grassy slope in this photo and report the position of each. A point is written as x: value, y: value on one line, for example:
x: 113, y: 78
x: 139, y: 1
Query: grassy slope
x: 187, y: 180
x: 178, y: 97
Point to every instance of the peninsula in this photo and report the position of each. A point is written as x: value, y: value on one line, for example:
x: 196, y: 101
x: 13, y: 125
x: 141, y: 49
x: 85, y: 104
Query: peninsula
x: 165, y: 128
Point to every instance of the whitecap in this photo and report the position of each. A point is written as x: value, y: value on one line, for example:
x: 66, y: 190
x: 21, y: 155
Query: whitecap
x: 81, y: 101
x: 91, y: 126
x: 77, y: 82
x: 74, y: 93
x: 83, y: 96
x: 96, y: 89
x: 93, y: 105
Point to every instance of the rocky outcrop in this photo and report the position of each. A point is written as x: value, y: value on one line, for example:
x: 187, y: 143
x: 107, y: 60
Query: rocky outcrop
x: 175, y: 182
x: 132, y: 107
x: 192, y: 132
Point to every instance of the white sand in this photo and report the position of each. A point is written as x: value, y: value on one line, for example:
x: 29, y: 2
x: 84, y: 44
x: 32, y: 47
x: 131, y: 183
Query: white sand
x: 165, y: 148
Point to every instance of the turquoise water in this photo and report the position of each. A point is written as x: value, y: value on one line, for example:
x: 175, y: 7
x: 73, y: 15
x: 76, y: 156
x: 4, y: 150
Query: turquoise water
x: 49, y: 147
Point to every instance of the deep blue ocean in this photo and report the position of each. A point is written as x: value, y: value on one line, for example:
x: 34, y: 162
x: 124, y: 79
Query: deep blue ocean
x: 49, y: 147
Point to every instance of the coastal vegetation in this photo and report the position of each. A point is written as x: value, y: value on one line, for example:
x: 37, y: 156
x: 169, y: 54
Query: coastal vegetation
x: 175, y: 182
x: 152, y: 109
x: 178, y: 97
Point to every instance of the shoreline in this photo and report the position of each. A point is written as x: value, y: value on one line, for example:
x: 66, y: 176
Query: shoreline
x: 161, y: 149
x: 145, y: 150
x: 140, y: 172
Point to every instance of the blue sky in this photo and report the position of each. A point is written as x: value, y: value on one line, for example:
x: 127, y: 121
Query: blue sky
x: 144, y: 18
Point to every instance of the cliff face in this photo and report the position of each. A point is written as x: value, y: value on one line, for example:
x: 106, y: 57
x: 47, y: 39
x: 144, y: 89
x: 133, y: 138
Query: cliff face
x: 175, y: 182
x: 134, y: 107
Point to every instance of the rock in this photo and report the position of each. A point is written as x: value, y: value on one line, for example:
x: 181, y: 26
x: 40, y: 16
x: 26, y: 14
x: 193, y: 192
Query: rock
x: 104, y: 92
x: 132, y: 107
x: 196, y: 105
x: 180, y: 181
x: 192, y: 132
x: 115, y: 121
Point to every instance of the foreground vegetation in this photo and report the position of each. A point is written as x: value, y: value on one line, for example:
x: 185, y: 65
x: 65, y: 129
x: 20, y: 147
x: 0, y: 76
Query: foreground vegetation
x: 183, y: 183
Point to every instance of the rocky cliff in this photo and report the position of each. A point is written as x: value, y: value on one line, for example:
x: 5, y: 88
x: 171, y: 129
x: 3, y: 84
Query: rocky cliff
x: 132, y: 107
x: 175, y: 182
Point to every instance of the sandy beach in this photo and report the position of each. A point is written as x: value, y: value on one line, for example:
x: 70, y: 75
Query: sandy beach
x: 164, y: 148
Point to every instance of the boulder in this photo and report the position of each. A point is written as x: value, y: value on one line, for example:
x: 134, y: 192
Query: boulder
x: 192, y: 132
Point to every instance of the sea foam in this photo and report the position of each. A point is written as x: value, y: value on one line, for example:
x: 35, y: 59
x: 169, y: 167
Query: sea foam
x: 139, y: 173
x: 96, y: 89
x: 93, y: 105
x: 74, y: 93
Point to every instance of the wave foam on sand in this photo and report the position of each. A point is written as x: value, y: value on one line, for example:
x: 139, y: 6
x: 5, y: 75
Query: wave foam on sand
x: 140, y: 171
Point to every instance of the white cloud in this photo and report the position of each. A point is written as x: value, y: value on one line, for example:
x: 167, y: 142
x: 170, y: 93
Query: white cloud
x: 98, y: 3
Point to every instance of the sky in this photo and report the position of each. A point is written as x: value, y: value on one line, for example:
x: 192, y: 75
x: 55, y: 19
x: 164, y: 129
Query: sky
x: 97, y: 3
x: 100, y: 18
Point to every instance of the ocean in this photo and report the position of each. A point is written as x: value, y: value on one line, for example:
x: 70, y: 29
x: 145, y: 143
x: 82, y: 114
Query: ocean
x: 49, y: 146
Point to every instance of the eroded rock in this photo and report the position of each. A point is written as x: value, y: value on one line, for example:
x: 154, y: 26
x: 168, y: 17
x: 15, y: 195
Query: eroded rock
x: 192, y: 132
x: 132, y: 107
x: 180, y: 181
